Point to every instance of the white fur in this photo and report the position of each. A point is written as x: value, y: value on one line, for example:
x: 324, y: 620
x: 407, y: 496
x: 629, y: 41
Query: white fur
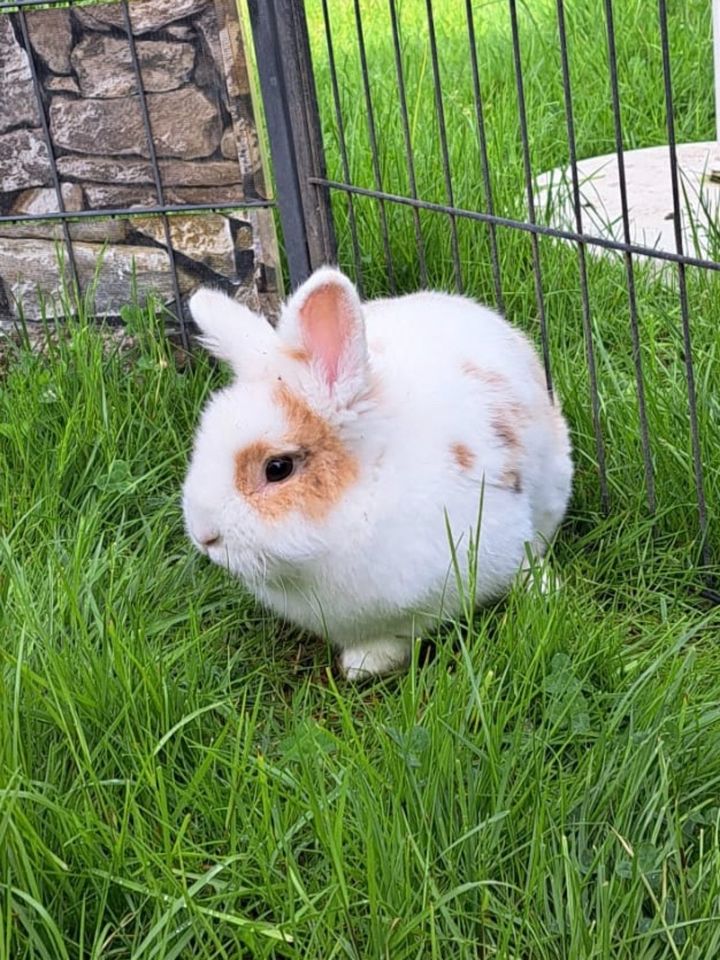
x: 379, y: 567
x: 234, y: 333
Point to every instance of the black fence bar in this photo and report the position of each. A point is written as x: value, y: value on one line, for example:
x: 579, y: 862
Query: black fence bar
x: 304, y: 116
x: 342, y: 144
x: 527, y: 168
x: 582, y: 266
x: 293, y: 126
x: 21, y: 5
x: 40, y: 105
x: 444, y: 152
x: 274, y: 95
x: 114, y: 212
x: 682, y: 287
x: 377, y: 176
x: 409, y: 157
x: 540, y: 229
x: 147, y: 125
x: 629, y: 267
x: 484, y: 164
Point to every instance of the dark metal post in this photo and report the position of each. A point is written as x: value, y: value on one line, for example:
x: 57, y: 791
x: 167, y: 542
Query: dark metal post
x: 284, y: 64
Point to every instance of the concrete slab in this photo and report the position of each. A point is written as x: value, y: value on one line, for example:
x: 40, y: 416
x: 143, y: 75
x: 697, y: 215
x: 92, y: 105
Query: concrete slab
x: 649, y: 192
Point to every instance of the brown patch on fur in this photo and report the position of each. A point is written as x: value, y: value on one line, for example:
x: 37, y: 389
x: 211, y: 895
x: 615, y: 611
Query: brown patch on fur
x: 326, y: 470
x: 249, y: 463
x: 300, y: 354
x: 510, y: 478
x: 489, y: 377
x: 506, y: 423
x: 463, y: 456
x: 505, y: 430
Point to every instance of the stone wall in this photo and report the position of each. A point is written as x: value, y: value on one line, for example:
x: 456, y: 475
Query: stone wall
x: 196, y: 85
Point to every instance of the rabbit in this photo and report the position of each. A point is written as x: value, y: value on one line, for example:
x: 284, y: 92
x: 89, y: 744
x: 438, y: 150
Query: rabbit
x: 364, y: 451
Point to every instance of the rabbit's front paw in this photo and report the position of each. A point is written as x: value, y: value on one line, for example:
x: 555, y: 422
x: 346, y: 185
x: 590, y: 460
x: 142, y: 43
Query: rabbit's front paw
x: 374, y: 659
x: 538, y: 576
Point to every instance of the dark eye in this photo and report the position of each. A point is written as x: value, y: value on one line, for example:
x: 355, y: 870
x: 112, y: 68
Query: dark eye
x: 279, y: 468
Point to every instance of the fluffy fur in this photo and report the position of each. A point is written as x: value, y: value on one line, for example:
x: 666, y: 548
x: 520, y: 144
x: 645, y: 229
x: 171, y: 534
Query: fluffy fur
x: 401, y: 416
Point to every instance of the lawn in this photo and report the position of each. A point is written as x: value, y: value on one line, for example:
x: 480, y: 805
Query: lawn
x: 183, y: 777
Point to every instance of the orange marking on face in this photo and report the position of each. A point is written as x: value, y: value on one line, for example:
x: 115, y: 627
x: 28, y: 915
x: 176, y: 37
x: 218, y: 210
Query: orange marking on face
x: 463, y: 456
x: 249, y: 468
x: 324, y: 470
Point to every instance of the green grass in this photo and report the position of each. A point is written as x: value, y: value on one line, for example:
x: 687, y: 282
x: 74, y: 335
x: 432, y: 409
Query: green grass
x: 182, y: 777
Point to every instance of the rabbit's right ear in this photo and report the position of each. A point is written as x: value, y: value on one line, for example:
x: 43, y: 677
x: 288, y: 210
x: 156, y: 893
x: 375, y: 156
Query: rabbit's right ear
x: 324, y: 320
x: 232, y: 332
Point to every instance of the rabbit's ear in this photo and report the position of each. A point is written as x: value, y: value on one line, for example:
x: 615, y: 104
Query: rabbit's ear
x: 323, y: 322
x: 232, y: 332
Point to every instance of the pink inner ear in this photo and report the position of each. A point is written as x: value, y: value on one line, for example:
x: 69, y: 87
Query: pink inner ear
x: 326, y: 319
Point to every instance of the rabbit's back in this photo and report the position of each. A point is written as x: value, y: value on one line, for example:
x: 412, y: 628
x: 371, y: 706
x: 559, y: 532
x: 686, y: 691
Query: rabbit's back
x: 466, y: 393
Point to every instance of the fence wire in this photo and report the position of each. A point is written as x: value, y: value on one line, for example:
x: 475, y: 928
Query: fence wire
x: 486, y: 212
x: 304, y: 186
x: 17, y: 11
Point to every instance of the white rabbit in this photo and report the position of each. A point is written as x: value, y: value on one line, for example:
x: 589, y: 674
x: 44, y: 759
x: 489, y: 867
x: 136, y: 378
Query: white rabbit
x: 340, y: 476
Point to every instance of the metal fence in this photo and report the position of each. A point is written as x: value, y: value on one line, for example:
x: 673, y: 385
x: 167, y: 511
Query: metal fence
x: 18, y: 14
x: 307, y: 195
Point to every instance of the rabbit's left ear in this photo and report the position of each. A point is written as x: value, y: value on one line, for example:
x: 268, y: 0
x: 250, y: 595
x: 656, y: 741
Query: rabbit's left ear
x: 233, y: 333
x: 323, y: 321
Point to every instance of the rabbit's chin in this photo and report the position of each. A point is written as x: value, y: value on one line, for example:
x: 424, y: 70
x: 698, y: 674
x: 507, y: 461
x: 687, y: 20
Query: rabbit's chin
x: 262, y: 566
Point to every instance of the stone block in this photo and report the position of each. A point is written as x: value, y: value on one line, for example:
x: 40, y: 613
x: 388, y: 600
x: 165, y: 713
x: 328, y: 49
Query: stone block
x: 205, y: 238
x: 104, y: 68
x: 145, y: 17
x: 17, y: 103
x: 51, y: 37
x: 115, y: 127
x: 31, y: 274
x: 40, y: 200
x: 105, y: 196
x: 24, y: 160
x: 173, y: 173
x: 92, y: 231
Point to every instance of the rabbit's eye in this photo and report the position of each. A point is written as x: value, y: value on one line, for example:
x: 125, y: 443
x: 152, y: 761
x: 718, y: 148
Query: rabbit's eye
x: 279, y: 468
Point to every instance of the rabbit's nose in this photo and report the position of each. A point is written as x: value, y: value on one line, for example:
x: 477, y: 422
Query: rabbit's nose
x: 207, y: 537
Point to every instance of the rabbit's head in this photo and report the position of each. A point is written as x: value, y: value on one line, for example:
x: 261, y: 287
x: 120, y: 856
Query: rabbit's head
x: 279, y: 451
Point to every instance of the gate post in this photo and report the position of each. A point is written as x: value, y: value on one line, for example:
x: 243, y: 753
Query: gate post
x: 287, y: 85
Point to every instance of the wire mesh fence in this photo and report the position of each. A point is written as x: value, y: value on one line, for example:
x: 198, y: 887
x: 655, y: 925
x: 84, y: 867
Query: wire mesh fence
x: 129, y: 112
x: 418, y: 147
x: 408, y: 141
